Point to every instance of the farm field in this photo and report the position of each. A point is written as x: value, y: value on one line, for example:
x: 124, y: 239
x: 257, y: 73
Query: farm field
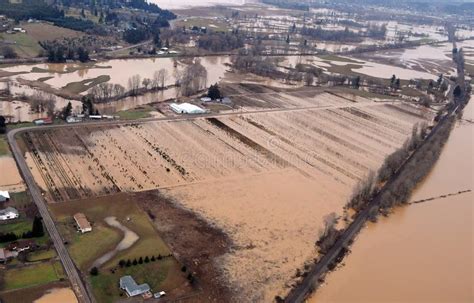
x: 36, y: 292
x: 33, y: 275
x: 315, y: 145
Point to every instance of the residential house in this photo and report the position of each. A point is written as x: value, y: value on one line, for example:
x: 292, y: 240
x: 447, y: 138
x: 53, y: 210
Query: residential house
x: 82, y: 223
x: 128, y: 284
x: 8, y: 214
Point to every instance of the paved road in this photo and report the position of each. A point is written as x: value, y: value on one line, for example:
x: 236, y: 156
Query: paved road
x: 71, y: 270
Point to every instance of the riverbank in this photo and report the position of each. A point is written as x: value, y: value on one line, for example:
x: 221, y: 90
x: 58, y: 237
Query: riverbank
x: 412, y: 248
x: 336, y: 253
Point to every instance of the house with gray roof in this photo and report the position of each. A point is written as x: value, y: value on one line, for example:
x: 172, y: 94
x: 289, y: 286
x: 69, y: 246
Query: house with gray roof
x: 128, y: 284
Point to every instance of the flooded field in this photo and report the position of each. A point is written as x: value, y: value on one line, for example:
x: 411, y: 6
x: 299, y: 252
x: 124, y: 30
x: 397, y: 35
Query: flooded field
x: 59, y: 75
x: 300, y: 140
x: 434, y: 59
x: 58, y: 295
x: 410, y: 251
x: 10, y: 178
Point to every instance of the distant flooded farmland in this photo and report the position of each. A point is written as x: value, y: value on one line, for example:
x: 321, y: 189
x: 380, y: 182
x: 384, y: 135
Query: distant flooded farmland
x: 422, y: 252
x: 59, y: 75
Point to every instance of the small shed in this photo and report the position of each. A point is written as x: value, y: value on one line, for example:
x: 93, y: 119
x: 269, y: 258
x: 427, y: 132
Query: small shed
x: 82, y: 223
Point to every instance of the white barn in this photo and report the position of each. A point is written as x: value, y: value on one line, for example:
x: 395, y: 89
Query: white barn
x: 187, y: 108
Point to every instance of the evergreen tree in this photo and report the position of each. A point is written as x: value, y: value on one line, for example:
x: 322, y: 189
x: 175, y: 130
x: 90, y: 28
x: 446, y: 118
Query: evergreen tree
x: 3, y: 126
x: 67, y: 110
x: 82, y: 55
x: 94, y: 271
x: 129, y: 263
x: 140, y: 260
x: 147, y: 259
x: 37, y: 229
x: 214, y: 92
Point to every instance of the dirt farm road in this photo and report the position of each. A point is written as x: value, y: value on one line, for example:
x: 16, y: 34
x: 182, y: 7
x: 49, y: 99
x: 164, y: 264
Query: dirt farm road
x: 72, y: 272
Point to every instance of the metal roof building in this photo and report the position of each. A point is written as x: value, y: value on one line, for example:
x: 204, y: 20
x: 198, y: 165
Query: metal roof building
x: 186, y: 108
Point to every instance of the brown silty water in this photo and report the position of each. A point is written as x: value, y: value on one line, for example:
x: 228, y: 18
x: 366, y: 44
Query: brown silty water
x: 422, y: 252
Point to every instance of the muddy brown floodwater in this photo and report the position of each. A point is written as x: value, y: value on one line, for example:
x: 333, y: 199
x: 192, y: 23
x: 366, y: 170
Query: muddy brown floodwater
x: 422, y: 252
x: 58, y: 295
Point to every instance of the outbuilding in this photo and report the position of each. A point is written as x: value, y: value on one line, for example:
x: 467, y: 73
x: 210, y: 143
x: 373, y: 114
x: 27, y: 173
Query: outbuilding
x: 82, y: 223
x: 187, y: 108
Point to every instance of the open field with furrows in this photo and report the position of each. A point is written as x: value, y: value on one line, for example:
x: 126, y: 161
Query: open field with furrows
x: 265, y: 178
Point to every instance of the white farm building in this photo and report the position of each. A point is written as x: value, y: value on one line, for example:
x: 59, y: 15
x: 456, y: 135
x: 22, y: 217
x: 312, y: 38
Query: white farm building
x: 187, y: 108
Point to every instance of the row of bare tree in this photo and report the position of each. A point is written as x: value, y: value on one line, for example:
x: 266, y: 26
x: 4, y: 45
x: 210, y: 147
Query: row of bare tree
x: 190, y: 81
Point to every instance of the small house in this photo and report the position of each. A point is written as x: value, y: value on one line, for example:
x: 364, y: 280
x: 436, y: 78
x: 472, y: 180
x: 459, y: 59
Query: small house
x: 128, y: 284
x: 4, y: 196
x: 206, y: 99
x: 82, y: 223
x: 8, y: 213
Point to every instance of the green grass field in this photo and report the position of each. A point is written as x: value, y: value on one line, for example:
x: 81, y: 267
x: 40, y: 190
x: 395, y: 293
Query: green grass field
x: 32, y: 275
x: 24, y: 45
x: 4, y: 149
x: 86, y: 248
x: 82, y: 86
x: 41, y: 255
x: 134, y: 114
x: 20, y: 125
x: 19, y: 227
x: 104, y: 236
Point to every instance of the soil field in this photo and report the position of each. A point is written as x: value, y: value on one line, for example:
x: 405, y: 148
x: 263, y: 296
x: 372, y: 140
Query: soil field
x: 265, y: 178
x: 31, y: 294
